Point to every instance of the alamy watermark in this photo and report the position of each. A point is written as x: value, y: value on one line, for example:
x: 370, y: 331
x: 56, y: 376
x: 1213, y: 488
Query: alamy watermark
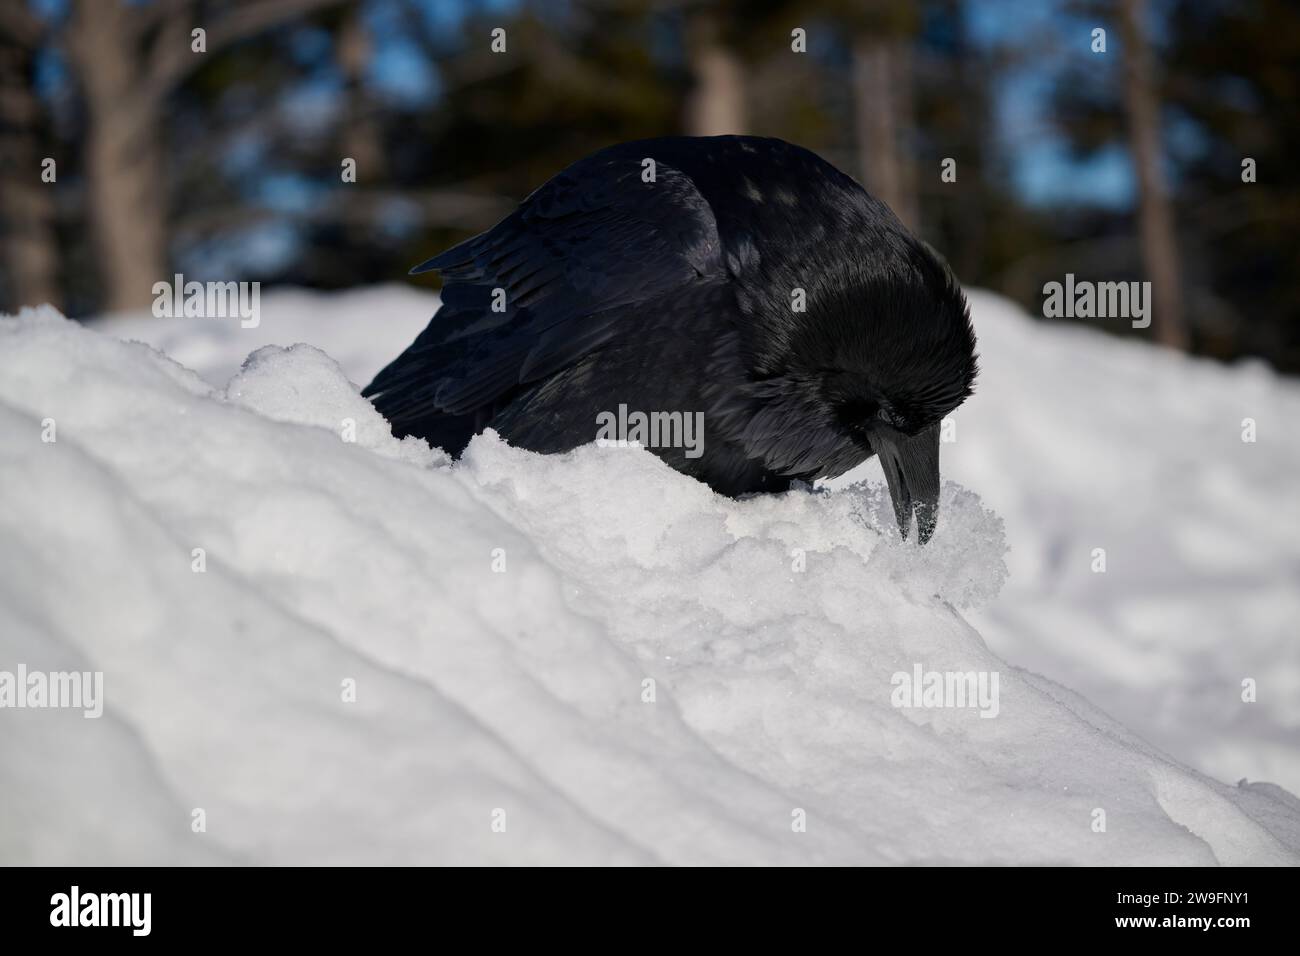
x: 626, y: 429
x: 83, y: 690
x: 130, y: 910
x: 946, y: 689
x: 1098, y: 300
x: 208, y: 300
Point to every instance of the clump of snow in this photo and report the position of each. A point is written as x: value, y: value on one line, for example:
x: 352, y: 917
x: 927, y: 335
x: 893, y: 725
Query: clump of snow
x: 694, y: 527
x: 303, y: 385
x: 965, y: 567
x: 577, y: 658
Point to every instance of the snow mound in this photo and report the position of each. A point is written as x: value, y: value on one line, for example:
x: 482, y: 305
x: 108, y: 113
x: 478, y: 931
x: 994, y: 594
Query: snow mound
x: 1082, y: 441
x: 582, y: 658
x: 1077, y: 440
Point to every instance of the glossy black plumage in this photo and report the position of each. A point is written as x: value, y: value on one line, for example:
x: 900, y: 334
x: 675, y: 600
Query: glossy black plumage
x: 676, y: 295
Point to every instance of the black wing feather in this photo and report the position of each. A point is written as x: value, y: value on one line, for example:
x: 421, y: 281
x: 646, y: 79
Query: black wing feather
x: 573, y: 259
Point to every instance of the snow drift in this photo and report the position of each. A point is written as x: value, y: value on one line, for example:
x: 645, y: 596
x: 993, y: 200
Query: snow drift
x: 516, y: 659
x: 1079, y: 441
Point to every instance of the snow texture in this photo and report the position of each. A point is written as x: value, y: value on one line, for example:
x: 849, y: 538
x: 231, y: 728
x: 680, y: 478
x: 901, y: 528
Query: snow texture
x: 501, y: 617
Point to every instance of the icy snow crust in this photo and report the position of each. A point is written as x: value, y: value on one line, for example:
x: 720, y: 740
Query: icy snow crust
x: 522, y: 690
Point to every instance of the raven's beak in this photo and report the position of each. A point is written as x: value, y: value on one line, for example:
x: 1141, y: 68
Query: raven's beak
x: 912, y: 470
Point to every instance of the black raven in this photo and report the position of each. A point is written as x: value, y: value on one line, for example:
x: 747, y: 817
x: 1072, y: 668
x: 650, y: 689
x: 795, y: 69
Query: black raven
x: 734, y: 276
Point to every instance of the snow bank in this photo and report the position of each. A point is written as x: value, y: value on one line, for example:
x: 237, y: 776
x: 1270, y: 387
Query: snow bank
x: 1081, y: 441
x: 501, y: 621
x: 1078, y: 440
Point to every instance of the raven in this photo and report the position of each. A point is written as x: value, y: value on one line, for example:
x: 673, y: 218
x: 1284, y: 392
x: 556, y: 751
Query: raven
x: 737, y: 277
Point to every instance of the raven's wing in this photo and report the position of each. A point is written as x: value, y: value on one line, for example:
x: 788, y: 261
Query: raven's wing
x: 565, y: 273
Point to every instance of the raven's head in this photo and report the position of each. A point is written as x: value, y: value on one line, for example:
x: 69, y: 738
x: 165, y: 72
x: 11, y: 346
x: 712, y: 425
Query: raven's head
x: 895, y: 352
x: 917, y: 362
x: 883, y: 351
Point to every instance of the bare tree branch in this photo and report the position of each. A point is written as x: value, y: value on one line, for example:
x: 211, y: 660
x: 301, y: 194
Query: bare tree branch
x: 148, y: 18
x: 172, y: 59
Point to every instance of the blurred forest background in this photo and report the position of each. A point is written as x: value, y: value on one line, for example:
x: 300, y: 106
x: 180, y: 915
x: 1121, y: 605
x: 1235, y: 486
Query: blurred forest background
x: 226, y: 163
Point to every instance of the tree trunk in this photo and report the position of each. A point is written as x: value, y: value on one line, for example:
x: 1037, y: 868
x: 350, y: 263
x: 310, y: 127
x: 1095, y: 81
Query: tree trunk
x: 28, y: 242
x: 361, y: 140
x: 1155, y: 213
x: 127, y: 197
x: 882, y: 98
x: 716, y: 105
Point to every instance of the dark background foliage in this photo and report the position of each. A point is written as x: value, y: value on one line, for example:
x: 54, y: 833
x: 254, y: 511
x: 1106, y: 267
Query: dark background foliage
x: 225, y: 164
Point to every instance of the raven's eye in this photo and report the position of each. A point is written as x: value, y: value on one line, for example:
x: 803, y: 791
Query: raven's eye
x: 855, y: 414
x: 886, y: 416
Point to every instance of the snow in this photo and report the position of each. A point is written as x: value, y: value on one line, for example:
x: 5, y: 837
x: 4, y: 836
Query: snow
x: 1081, y: 441
x: 499, y: 619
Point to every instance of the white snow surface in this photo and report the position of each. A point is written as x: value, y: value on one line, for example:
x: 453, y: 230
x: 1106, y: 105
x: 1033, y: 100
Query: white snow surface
x: 500, y: 618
